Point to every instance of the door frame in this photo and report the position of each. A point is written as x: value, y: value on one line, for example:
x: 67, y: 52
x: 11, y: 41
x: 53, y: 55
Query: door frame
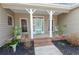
x: 21, y: 25
x: 43, y: 23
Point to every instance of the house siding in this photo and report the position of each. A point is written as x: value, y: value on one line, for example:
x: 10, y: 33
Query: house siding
x: 5, y: 29
x: 71, y: 20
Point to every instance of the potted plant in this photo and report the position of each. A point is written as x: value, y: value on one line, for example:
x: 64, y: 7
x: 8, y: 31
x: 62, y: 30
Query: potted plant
x: 14, y: 42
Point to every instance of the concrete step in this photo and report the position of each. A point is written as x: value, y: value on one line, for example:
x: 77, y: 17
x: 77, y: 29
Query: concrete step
x: 42, y: 42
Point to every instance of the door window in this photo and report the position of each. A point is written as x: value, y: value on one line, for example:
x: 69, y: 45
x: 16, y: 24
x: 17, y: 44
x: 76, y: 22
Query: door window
x: 24, y: 25
x: 38, y: 25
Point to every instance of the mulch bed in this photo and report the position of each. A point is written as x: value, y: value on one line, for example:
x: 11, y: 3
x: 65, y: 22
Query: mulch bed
x: 66, y: 48
x: 21, y: 50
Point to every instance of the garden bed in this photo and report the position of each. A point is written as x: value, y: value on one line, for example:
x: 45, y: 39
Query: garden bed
x: 20, y: 50
x: 66, y: 48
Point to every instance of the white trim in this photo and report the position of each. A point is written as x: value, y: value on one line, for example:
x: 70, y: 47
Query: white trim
x: 30, y: 10
x: 12, y: 20
x: 21, y: 25
x: 45, y: 5
x: 48, y: 11
x: 65, y: 7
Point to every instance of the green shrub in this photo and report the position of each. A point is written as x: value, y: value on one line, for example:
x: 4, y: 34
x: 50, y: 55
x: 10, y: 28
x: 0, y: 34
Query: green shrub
x: 60, y: 29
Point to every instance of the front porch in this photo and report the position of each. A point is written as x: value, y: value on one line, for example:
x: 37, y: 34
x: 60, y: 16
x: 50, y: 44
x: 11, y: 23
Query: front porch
x: 40, y: 26
x: 35, y: 22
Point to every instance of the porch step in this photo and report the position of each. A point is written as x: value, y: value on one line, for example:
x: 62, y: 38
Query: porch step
x: 42, y: 42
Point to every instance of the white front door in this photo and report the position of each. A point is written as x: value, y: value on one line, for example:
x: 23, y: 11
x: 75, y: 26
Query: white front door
x: 38, y: 25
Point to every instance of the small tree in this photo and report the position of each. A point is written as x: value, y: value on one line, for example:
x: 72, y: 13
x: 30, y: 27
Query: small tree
x: 60, y: 30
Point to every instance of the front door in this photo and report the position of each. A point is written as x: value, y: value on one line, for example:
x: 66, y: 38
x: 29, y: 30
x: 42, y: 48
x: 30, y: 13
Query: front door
x: 24, y: 25
x: 38, y: 25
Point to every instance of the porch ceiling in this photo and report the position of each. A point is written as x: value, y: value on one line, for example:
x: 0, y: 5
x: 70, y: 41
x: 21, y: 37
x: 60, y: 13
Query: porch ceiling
x: 40, y: 12
x: 20, y: 8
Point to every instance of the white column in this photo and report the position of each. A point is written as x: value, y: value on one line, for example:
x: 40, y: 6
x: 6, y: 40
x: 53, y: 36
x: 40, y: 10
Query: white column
x: 50, y: 23
x: 31, y: 23
x: 31, y: 11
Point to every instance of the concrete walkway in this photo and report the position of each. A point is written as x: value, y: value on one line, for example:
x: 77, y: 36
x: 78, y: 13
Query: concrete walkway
x: 47, y: 50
